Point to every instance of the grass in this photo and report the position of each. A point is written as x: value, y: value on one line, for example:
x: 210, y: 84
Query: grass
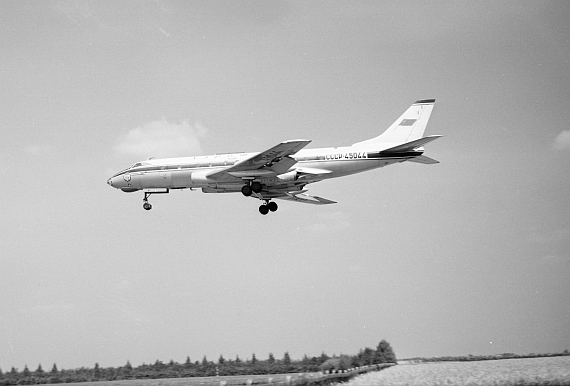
x: 552, y: 371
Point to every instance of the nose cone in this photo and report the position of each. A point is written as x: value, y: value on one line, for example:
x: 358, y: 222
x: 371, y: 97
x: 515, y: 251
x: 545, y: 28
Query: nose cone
x: 116, y: 182
x: 123, y: 182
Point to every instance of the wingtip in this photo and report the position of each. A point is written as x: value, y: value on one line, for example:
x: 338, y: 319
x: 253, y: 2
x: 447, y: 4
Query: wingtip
x: 425, y: 101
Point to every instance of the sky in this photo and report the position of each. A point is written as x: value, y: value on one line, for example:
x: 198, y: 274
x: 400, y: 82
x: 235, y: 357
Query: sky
x: 469, y: 256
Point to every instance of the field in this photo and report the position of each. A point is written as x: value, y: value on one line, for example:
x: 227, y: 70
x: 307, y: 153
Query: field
x: 553, y: 371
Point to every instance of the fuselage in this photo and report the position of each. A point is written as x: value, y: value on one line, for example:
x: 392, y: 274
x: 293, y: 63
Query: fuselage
x: 192, y: 172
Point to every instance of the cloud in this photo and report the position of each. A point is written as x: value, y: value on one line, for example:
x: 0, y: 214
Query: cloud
x: 37, y: 149
x: 162, y: 139
x: 562, y: 141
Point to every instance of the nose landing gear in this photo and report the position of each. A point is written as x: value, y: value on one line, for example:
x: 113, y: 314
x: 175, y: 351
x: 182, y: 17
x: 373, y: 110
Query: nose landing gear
x: 146, y: 205
x: 147, y: 194
x: 267, y: 207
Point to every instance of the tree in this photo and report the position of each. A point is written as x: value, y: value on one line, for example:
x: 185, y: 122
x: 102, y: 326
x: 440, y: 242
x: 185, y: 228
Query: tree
x: 323, y: 358
x: 26, y: 371
x: 330, y: 364
x: 286, y: 359
x: 368, y: 356
x: 221, y: 360
x: 306, y: 363
x: 125, y: 372
x: 384, y: 353
x: 96, y: 372
x: 39, y: 371
x: 54, y: 369
x: 253, y: 360
x: 271, y: 359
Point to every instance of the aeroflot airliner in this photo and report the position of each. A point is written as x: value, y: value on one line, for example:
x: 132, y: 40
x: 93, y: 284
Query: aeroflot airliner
x: 283, y: 171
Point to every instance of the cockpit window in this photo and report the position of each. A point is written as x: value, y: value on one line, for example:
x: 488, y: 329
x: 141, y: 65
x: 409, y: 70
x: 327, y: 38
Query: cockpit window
x: 136, y: 165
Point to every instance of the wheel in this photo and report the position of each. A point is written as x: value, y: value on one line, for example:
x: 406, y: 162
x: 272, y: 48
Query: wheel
x: 246, y: 190
x: 272, y: 206
x: 256, y: 187
x: 147, y: 206
x: 263, y: 209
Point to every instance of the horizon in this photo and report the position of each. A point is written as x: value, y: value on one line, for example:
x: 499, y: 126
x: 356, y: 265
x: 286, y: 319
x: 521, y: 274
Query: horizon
x: 279, y: 359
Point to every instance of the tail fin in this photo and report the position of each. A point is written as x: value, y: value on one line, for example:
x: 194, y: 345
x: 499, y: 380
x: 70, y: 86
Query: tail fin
x: 409, y: 127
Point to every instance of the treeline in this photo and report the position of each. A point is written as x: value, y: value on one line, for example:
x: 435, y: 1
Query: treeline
x: 204, y: 368
x: 466, y: 358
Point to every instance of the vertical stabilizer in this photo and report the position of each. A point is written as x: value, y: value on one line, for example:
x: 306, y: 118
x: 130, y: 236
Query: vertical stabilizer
x: 409, y: 127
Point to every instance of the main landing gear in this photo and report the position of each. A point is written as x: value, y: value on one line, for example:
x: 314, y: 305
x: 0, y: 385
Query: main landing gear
x: 267, y: 207
x: 250, y: 188
x: 255, y: 187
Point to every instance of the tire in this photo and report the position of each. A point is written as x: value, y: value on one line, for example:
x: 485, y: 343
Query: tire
x: 263, y: 209
x: 256, y: 187
x: 147, y: 206
x: 272, y: 206
x: 246, y: 190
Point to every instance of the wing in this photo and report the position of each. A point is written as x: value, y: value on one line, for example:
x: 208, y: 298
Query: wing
x: 273, y: 161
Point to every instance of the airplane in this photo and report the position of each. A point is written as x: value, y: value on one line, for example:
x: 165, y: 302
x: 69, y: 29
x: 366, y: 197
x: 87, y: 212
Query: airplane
x: 283, y: 171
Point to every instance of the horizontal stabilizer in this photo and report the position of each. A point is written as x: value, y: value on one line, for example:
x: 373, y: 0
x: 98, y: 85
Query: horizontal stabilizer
x: 411, y: 146
x: 422, y: 159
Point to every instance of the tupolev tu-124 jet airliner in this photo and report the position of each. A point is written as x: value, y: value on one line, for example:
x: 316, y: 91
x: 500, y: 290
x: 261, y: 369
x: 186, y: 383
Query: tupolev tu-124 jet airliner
x: 283, y: 171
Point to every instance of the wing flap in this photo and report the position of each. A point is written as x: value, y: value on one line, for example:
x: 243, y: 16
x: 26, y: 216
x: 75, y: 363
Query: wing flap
x: 305, y: 198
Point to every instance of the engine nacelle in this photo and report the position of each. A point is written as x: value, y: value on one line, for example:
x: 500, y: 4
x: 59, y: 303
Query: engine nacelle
x: 289, y: 176
x: 199, y: 179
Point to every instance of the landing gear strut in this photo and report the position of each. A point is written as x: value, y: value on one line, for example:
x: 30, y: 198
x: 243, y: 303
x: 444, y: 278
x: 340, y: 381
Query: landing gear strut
x: 147, y: 194
x: 146, y: 205
x: 268, y: 206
